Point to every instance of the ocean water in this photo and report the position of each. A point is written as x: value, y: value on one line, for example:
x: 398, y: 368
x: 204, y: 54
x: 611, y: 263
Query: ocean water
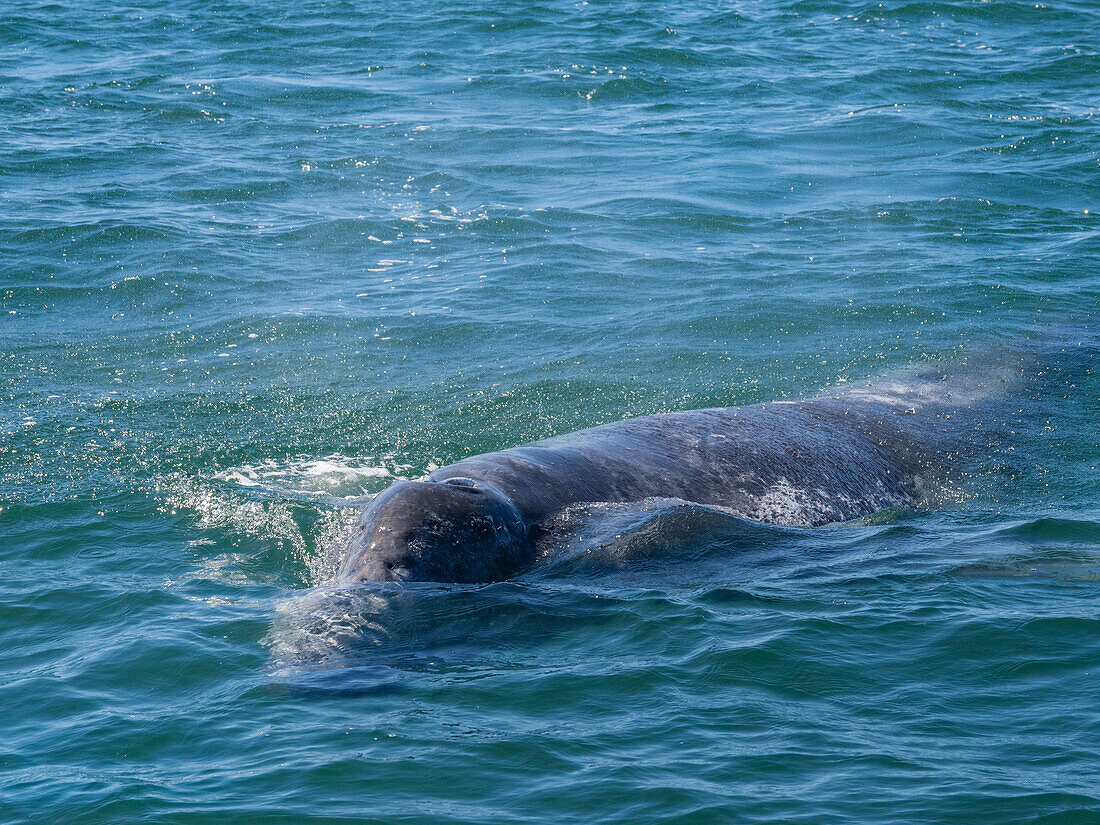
x: 258, y: 260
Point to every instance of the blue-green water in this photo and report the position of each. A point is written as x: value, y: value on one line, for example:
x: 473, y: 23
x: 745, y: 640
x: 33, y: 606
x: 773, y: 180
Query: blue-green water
x: 256, y: 260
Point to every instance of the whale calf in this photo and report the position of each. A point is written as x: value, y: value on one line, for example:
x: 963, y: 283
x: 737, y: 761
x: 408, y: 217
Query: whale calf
x: 835, y: 456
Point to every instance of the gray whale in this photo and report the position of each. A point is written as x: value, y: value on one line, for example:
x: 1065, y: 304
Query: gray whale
x: 832, y: 457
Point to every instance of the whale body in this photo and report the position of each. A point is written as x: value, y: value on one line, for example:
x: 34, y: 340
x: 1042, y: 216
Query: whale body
x: 839, y: 455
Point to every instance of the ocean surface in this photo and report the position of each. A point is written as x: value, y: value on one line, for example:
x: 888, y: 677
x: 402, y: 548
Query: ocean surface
x: 257, y: 260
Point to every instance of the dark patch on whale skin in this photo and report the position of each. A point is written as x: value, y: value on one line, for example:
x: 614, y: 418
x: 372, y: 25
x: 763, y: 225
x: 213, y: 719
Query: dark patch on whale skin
x: 804, y: 463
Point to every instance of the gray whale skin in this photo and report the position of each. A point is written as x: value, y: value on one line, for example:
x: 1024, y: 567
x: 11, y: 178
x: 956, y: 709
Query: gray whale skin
x: 831, y: 457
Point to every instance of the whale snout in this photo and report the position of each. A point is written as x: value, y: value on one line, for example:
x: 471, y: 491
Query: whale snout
x: 373, y: 566
x: 457, y: 530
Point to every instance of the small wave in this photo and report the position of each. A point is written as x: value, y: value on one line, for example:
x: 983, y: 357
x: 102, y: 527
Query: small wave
x: 1059, y: 548
x: 622, y: 89
x: 1064, y: 567
x: 1059, y: 530
x: 83, y: 237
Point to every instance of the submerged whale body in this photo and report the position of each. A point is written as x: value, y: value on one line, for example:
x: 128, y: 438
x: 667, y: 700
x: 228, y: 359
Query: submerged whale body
x: 832, y: 457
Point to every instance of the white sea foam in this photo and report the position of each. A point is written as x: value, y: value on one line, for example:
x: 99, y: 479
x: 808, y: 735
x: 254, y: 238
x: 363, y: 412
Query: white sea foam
x: 331, y: 477
x: 214, y: 508
x: 330, y: 538
x: 316, y: 543
x: 303, y: 510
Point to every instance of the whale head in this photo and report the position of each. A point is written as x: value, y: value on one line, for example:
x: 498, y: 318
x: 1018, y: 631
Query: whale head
x: 455, y: 530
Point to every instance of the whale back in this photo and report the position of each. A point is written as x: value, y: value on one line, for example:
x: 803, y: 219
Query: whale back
x: 842, y: 454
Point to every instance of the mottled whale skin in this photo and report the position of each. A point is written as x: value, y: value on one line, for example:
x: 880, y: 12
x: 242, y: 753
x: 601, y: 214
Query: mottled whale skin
x: 832, y: 457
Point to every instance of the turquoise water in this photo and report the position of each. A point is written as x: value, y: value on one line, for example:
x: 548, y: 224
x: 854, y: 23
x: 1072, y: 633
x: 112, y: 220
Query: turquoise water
x: 257, y: 260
